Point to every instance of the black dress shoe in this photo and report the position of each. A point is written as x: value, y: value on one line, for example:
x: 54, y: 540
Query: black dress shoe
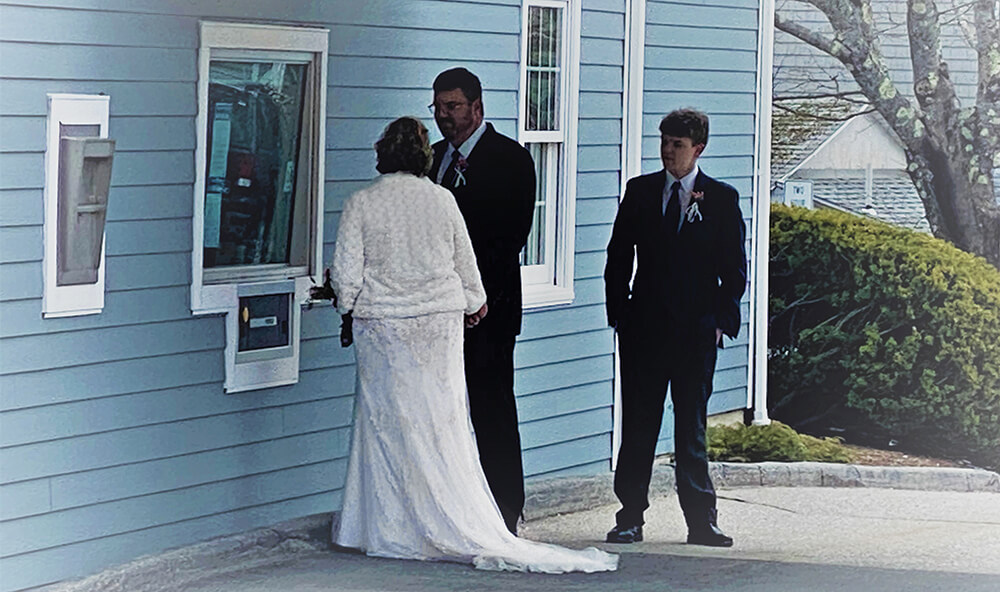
x: 625, y: 534
x: 710, y: 536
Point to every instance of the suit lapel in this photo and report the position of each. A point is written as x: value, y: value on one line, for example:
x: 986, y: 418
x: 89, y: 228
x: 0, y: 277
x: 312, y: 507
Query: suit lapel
x: 439, y: 150
x: 482, y: 146
x: 655, y: 191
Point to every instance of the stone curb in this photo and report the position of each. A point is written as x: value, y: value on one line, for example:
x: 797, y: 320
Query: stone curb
x: 571, y: 494
x: 172, y: 570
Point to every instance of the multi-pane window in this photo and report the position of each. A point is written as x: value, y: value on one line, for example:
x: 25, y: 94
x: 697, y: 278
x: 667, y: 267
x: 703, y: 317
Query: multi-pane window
x: 549, y: 54
x: 544, y: 61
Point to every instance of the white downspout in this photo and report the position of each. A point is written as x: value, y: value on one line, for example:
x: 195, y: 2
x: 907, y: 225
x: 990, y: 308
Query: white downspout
x: 759, y: 250
x: 631, y: 153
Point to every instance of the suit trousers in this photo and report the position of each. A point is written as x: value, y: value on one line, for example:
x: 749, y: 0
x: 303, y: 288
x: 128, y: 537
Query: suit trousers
x: 651, y: 360
x: 489, y: 375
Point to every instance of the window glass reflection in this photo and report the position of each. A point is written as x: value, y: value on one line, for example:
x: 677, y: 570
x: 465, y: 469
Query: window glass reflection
x: 254, y: 123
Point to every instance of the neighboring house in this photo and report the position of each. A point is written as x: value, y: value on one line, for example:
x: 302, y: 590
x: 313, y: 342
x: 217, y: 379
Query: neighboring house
x: 180, y: 390
x: 821, y: 155
x: 856, y: 166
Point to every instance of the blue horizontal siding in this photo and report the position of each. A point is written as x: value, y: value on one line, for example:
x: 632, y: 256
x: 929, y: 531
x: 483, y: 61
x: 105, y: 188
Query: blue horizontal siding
x: 179, y: 472
x: 28, y: 97
x: 616, y: 7
x: 564, y: 402
x: 24, y: 280
x: 704, y: 55
x: 60, y: 385
x: 555, y: 430
x: 551, y: 350
x: 592, y: 452
x: 596, y: 211
x: 597, y: 184
x: 24, y: 317
x: 564, y: 320
x: 697, y: 80
x: 19, y: 207
x: 115, y: 437
x: 735, y: 14
x: 30, y: 353
x: 20, y: 244
x: 22, y: 134
x: 468, y: 47
x: 603, y: 24
x: 679, y: 35
x: 106, y: 414
x: 428, y: 14
x: 65, y: 62
x: 71, y: 560
x: 567, y: 374
x: 593, y: 236
x: 100, y: 520
x: 24, y: 499
x: 590, y: 264
x: 608, y: 104
x: 368, y: 71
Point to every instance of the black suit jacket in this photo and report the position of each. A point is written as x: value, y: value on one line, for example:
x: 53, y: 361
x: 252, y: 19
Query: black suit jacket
x: 694, y: 278
x: 498, y: 203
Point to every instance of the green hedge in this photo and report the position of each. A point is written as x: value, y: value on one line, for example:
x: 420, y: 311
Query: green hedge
x: 886, y: 328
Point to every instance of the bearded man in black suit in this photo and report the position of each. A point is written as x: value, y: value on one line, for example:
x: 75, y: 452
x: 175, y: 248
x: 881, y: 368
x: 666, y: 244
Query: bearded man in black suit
x: 687, y: 231
x: 493, y: 180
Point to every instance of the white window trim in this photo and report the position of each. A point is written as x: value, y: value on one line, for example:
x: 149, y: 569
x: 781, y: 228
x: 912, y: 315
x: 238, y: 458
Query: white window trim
x: 225, y: 38
x: 72, y: 300
x: 554, y: 285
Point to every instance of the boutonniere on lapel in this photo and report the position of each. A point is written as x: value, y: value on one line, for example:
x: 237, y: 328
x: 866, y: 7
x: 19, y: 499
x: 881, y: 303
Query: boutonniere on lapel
x: 460, y: 167
x: 693, y: 211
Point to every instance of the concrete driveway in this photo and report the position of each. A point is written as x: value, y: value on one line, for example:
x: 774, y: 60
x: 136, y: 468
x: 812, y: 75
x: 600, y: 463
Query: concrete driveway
x: 787, y: 539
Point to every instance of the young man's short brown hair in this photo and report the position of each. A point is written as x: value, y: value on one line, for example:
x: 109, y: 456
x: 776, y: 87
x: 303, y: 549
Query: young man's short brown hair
x: 686, y: 123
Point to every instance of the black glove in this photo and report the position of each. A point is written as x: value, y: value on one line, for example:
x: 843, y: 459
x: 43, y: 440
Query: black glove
x: 346, y: 330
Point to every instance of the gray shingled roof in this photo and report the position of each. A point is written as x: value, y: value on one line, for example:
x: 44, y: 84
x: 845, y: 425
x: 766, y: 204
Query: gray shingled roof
x: 795, y: 136
x: 893, y: 197
x: 800, y: 69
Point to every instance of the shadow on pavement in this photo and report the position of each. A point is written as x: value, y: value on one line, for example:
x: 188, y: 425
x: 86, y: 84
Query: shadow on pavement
x: 638, y: 572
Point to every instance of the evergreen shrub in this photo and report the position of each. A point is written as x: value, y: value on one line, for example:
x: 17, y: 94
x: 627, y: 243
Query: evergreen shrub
x: 882, y: 326
x: 775, y: 442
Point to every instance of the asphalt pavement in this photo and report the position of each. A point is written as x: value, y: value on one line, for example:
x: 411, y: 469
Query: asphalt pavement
x: 787, y: 539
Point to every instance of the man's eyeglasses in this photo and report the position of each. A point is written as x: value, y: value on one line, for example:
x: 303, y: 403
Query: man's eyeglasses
x: 449, y: 107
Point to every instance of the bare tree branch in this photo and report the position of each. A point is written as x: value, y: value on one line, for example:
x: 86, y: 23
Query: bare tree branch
x: 856, y: 44
x: 849, y: 95
x: 951, y: 152
x: 822, y: 117
x: 817, y: 40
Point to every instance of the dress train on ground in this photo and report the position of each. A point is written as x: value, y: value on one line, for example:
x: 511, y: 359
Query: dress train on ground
x: 415, y: 489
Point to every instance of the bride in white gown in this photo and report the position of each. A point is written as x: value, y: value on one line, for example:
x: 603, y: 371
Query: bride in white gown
x: 404, y: 266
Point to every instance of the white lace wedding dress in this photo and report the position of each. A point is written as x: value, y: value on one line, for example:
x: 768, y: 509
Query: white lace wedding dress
x: 415, y: 488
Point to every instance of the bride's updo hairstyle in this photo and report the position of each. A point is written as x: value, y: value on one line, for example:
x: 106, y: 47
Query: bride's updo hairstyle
x: 404, y: 147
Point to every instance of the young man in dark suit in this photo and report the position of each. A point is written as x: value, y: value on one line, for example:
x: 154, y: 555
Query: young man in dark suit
x: 493, y: 180
x: 687, y: 231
